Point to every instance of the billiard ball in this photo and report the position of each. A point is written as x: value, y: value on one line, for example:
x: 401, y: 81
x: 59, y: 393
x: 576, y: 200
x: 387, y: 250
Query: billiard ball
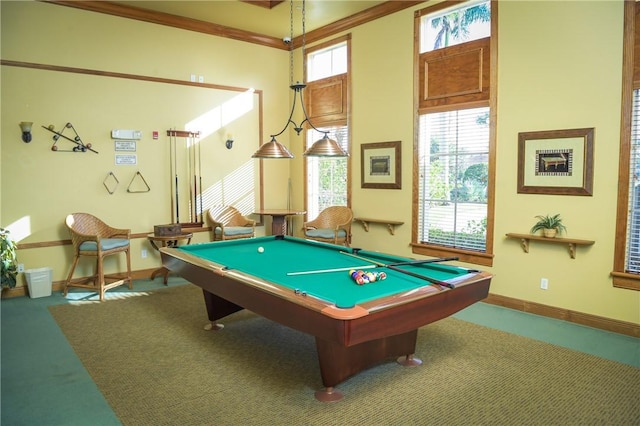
x: 260, y: 249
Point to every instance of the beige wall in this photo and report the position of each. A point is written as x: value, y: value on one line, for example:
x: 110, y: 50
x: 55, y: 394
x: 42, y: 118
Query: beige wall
x: 40, y: 187
x: 559, y: 68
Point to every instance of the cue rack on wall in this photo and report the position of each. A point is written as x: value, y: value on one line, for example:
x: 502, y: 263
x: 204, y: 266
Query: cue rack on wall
x: 185, y: 176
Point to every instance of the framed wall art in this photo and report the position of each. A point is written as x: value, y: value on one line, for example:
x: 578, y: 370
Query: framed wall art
x: 381, y: 165
x: 556, y: 162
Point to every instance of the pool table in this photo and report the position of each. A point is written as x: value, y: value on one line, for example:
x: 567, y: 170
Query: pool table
x: 306, y: 285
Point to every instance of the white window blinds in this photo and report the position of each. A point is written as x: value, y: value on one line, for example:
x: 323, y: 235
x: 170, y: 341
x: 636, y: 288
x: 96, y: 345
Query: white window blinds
x: 454, y: 155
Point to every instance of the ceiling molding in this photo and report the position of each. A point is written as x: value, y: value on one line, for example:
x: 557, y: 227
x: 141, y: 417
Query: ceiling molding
x: 169, y: 20
x: 217, y: 30
x: 368, y: 15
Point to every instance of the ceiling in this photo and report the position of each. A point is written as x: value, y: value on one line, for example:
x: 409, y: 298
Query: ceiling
x: 256, y: 16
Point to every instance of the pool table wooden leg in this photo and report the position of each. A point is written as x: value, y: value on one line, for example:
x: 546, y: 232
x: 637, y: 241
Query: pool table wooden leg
x: 217, y: 308
x: 338, y: 362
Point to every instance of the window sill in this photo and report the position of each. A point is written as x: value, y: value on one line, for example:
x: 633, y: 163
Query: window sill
x: 467, y: 256
x: 626, y: 280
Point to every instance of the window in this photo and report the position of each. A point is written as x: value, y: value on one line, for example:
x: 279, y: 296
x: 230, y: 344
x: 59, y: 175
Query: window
x: 327, y: 179
x: 454, y: 183
x: 454, y: 178
x: 451, y: 27
x: 327, y: 62
x: 626, y: 263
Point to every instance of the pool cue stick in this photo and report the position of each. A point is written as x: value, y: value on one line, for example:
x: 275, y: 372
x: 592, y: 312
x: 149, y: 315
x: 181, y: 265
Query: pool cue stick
x: 402, y: 271
x: 200, y: 175
x: 171, y: 179
x: 323, y: 271
x: 420, y: 262
x: 195, y: 179
x: 189, y: 152
x: 192, y: 168
x: 175, y: 162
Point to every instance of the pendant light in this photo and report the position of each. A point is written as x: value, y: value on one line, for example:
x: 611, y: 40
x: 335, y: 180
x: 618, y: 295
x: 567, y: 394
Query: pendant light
x: 324, y: 147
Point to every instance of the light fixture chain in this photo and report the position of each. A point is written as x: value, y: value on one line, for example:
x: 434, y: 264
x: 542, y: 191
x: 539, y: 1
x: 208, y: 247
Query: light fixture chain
x: 304, y: 43
x: 291, y: 44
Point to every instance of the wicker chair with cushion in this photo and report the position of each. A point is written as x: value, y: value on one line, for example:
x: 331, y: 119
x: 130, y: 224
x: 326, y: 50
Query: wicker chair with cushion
x: 333, y: 225
x: 227, y: 223
x: 93, y: 238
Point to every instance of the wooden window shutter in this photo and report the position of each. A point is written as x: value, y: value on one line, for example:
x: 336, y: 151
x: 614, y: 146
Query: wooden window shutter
x: 326, y: 100
x: 455, y: 75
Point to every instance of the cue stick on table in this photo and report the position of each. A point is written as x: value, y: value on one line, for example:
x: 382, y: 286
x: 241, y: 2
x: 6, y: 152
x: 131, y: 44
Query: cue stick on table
x: 322, y: 271
x: 420, y: 262
x: 402, y: 271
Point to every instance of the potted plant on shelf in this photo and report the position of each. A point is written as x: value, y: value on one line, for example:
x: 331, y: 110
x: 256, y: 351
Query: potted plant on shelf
x: 9, y: 260
x: 550, y: 225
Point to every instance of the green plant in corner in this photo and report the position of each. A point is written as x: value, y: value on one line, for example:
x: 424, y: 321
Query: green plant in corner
x: 9, y: 260
x: 549, y: 222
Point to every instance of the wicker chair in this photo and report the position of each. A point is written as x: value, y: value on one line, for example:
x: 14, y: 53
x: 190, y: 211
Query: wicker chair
x: 92, y: 237
x: 333, y: 225
x: 227, y: 223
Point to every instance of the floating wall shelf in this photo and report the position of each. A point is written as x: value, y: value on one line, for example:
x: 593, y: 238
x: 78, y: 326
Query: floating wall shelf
x: 391, y: 224
x: 571, y: 242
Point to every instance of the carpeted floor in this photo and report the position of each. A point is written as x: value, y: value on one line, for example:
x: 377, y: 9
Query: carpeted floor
x: 154, y: 363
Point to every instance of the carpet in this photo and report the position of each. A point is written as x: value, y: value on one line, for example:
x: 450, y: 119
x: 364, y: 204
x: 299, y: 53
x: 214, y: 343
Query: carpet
x: 155, y: 364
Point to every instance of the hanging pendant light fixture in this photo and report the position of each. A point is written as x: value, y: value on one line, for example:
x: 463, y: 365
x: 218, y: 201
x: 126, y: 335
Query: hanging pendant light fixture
x: 324, y: 147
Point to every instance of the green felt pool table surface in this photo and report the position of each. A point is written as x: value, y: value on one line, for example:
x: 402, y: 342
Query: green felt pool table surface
x: 282, y: 257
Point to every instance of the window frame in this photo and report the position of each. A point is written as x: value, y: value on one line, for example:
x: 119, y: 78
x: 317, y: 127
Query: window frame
x: 631, y: 45
x: 481, y: 258
x: 330, y: 121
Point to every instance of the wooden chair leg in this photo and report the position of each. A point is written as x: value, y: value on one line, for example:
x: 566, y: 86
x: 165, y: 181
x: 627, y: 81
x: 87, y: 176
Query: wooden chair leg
x: 128, y: 255
x: 68, y: 282
x: 100, y: 277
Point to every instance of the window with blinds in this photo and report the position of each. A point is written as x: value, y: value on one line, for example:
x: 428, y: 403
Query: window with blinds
x: 632, y: 262
x: 453, y: 183
x: 626, y: 256
x: 326, y: 176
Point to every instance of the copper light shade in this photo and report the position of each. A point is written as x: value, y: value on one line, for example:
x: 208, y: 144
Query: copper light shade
x: 325, y: 147
x: 272, y: 149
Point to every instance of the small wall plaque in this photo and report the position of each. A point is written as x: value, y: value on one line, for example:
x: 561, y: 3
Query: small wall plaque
x: 125, y: 145
x: 126, y: 159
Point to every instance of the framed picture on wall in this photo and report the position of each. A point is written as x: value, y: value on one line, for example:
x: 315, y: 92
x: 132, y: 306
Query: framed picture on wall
x: 556, y: 162
x: 381, y: 165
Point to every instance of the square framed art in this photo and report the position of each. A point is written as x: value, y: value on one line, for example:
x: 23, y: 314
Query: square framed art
x: 556, y: 162
x: 381, y: 165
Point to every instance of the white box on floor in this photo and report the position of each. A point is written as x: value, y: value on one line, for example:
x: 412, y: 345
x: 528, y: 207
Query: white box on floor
x: 39, y: 282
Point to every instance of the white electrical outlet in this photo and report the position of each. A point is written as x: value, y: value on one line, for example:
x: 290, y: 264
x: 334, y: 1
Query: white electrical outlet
x: 544, y: 283
x: 144, y: 253
x: 20, y: 267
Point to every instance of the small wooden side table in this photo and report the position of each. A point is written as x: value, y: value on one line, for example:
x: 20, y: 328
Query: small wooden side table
x: 278, y: 216
x: 158, y: 241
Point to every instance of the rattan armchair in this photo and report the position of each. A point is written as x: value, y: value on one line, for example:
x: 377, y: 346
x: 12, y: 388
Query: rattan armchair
x: 333, y: 225
x: 227, y: 223
x: 93, y: 238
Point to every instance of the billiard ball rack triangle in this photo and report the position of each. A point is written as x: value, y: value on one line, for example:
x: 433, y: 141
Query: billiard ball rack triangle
x: 79, y: 145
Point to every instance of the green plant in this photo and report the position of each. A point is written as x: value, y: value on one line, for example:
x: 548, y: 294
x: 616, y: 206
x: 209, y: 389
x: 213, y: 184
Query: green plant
x: 9, y: 261
x: 549, y: 222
